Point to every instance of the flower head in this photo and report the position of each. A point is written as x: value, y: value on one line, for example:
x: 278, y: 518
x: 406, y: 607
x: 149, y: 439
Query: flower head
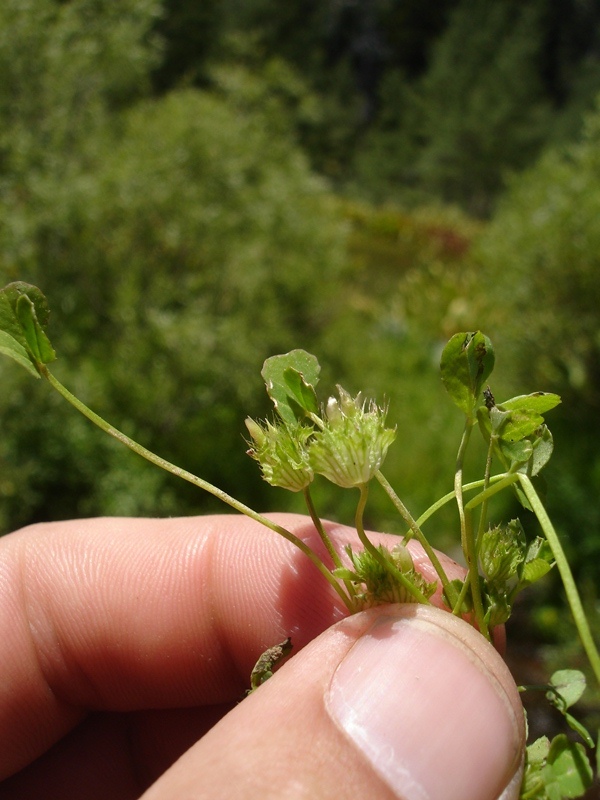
x: 502, y: 550
x: 281, y: 451
x: 353, y: 444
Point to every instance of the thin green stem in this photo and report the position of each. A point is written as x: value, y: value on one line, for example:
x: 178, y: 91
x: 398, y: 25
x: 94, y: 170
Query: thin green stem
x: 467, y: 487
x: 566, y: 575
x: 483, y: 514
x: 467, y: 535
x: 458, y: 490
x: 370, y: 547
x: 196, y: 481
x: 500, y: 483
x: 320, y: 529
x: 472, y: 578
x: 414, y: 527
x: 337, y: 562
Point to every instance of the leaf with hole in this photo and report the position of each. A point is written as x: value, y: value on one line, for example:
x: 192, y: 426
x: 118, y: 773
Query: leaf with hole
x: 290, y: 380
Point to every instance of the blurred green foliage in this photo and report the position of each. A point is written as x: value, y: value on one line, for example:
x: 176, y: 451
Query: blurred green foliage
x: 541, y: 257
x: 161, y: 179
x: 180, y: 240
x: 476, y: 112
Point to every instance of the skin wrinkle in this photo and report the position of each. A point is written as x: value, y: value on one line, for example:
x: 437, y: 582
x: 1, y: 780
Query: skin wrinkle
x: 269, y: 593
x: 33, y: 683
x: 55, y: 621
x: 210, y: 580
x: 77, y: 566
x: 45, y: 638
x: 112, y: 560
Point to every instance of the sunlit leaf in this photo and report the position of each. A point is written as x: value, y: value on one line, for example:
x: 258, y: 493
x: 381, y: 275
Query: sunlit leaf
x: 538, y: 402
x: 534, y: 570
x: 539, y: 560
x: 466, y: 363
x: 290, y: 380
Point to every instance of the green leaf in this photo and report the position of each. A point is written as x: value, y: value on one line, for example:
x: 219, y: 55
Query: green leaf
x: 522, y: 416
x: 537, y: 752
x: 543, y: 447
x: 539, y: 560
x: 301, y: 392
x: 516, y: 452
x: 568, y: 772
x: 569, y: 684
x: 579, y: 728
x: 290, y: 380
x: 538, y: 402
x: 467, y: 361
x: 24, y: 316
x: 10, y: 347
x: 519, y: 425
x: 534, y: 570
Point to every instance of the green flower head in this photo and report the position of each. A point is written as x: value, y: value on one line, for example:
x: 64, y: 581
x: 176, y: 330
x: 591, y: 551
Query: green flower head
x: 353, y: 443
x: 282, y: 453
x: 501, y: 551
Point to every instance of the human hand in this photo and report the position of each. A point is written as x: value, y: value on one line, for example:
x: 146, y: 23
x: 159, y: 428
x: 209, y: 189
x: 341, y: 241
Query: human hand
x: 128, y: 643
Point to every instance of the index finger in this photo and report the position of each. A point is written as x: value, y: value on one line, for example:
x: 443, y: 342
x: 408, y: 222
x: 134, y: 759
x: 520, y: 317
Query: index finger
x: 123, y: 614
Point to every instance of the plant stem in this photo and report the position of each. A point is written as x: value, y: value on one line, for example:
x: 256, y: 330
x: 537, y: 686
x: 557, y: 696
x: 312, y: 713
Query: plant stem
x: 196, y: 481
x: 414, y: 527
x: 337, y: 562
x: 483, y: 514
x: 467, y: 536
x: 370, y: 547
x: 467, y: 487
x: 566, y: 575
x: 458, y: 490
x: 497, y: 484
x: 320, y: 529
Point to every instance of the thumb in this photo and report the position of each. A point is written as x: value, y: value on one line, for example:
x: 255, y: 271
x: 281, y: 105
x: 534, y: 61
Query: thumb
x: 398, y: 702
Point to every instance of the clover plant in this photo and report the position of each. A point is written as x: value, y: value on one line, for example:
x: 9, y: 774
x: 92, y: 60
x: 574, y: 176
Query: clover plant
x: 345, y: 439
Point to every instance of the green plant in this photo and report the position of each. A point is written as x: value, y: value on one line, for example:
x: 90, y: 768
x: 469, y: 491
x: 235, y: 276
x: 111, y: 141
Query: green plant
x: 346, y: 441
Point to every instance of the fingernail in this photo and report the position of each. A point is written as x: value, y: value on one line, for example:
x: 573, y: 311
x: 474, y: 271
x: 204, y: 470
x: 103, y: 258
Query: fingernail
x: 436, y: 717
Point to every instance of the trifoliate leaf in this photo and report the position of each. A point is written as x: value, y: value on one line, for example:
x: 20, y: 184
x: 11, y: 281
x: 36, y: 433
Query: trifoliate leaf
x: 466, y: 363
x: 24, y: 316
x: 290, y: 380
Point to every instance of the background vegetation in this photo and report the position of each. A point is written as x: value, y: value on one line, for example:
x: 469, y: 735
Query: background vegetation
x: 197, y: 186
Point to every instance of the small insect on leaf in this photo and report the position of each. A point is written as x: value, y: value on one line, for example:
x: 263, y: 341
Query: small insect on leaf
x: 467, y: 362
